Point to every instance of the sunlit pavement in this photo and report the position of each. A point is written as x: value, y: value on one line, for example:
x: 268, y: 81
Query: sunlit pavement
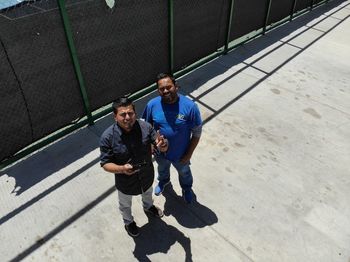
x: 271, y: 173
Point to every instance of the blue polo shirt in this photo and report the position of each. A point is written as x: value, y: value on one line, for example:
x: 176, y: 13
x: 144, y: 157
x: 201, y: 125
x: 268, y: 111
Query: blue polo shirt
x: 175, y: 122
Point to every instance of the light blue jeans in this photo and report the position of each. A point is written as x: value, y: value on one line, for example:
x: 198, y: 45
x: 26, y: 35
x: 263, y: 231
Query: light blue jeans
x: 184, y: 171
x: 125, y: 202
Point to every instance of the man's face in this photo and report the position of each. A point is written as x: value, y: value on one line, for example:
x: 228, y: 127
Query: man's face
x: 125, y: 117
x: 167, y: 90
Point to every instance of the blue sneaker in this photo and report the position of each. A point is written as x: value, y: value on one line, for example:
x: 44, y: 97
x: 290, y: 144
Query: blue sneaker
x: 160, y: 188
x: 187, y: 195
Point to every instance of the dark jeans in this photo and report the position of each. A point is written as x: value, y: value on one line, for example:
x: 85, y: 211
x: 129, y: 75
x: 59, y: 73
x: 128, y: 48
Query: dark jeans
x: 184, y: 171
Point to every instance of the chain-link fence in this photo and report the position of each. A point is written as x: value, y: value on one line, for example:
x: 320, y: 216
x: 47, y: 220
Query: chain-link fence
x: 60, y: 60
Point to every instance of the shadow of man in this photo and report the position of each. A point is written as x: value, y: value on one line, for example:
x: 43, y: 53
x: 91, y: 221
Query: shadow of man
x: 194, y: 215
x: 157, y: 236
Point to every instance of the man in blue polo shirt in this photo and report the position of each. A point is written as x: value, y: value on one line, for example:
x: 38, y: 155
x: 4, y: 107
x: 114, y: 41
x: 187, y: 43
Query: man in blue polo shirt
x: 177, y: 118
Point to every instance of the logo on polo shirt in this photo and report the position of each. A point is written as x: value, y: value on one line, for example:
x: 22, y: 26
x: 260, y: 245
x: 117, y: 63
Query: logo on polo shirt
x: 180, y: 117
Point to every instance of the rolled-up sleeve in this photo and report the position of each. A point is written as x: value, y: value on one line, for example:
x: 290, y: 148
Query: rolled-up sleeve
x: 106, y: 151
x: 196, y: 122
x: 197, y: 131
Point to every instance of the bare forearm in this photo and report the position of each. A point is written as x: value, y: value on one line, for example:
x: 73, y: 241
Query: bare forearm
x: 192, y: 146
x: 114, y: 168
x: 126, y: 169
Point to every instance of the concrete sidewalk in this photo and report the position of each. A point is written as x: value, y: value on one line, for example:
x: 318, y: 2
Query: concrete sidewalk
x: 272, y: 170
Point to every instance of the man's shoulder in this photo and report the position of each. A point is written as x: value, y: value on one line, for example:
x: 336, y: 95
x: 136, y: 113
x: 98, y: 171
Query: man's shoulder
x: 154, y: 101
x: 143, y: 124
x: 184, y: 100
x: 108, y: 132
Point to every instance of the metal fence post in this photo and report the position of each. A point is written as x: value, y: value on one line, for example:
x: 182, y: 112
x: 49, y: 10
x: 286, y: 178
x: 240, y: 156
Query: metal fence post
x: 73, y: 53
x: 267, y: 17
x: 229, y: 24
x: 293, y: 10
x: 171, y: 35
x: 312, y: 5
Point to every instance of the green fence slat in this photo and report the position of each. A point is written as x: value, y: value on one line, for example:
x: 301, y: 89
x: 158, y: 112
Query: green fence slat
x: 171, y: 35
x: 267, y: 17
x: 293, y: 10
x: 73, y: 53
x: 229, y: 25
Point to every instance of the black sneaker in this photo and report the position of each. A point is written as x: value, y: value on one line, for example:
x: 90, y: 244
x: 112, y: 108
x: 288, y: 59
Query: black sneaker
x: 155, y: 211
x: 132, y: 229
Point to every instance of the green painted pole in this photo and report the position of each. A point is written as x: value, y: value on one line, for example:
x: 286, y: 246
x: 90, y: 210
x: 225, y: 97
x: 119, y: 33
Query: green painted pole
x: 267, y: 17
x: 73, y: 53
x: 229, y: 25
x: 293, y: 10
x: 171, y: 35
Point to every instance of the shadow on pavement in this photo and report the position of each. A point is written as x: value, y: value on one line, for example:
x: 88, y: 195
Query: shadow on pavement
x: 194, y: 215
x: 157, y: 237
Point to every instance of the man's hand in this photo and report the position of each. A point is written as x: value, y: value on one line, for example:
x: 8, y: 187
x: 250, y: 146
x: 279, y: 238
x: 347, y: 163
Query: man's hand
x: 161, y: 142
x: 128, y: 170
x: 185, y: 159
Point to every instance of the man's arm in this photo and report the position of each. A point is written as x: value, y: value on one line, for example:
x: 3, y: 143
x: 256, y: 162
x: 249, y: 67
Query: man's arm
x: 126, y: 169
x: 196, y: 134
x: 192, y: 146
x: 106, y: 156
x: 196, y: 131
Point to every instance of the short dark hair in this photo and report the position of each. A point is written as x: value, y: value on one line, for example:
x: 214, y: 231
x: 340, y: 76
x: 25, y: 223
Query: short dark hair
x: 166, y: 75
x: 122, y: 102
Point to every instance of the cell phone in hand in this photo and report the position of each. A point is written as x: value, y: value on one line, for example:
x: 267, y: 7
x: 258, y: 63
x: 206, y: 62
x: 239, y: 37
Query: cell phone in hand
x: 138, y: 165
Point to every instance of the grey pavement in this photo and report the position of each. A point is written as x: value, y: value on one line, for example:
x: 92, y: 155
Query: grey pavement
x: 271, y: 173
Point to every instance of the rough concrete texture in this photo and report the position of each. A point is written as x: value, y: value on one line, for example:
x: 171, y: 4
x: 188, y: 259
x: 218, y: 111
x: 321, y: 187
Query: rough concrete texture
x: 271, y: 171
